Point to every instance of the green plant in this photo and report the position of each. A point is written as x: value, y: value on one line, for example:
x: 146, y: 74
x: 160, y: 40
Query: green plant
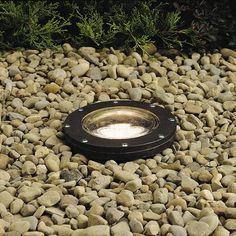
x: 32, y: 24
x: 171, y: 35
x: 180, y: 24
x: 136, y: 29
x: 135, y: 25
x: 91, y: 26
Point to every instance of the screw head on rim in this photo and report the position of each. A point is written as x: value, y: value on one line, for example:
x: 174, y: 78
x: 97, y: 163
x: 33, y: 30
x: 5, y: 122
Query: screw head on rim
x: 171, y: 119
x: 124, y: 145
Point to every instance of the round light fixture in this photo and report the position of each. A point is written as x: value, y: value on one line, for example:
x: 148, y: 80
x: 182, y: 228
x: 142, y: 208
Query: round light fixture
x: 121, y: 130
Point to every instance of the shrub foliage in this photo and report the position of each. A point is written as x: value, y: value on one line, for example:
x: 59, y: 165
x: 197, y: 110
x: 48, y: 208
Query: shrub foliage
x: 35, y: 24
x: 130, y: 24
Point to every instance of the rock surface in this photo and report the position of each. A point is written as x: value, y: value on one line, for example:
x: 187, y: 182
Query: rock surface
x: 47, y: 189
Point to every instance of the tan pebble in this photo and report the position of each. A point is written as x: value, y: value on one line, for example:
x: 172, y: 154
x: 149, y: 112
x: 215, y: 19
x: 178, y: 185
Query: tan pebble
x: 65, y: 106
x: 2, y: 230
x: 124, y: 175
x: 178, y: 202
x: 52, y: 88
x: 53, y: 140
x: 7, y: 130
x: 125, y: 198
x: 192, y: 108
x: 11, y: 58
x: 221, y: 231
x: 41, y: 152
x: 82, y: 221
x: 186, y: 125
x: 67, y: 47
x: 121, y: 228
x: 152, y: 228
x: 206, y: 194
x: 89, y: 98
x: 4, y: 175
x: 28, y: 209
x: 230, y: 213
x: 126, y: 85
x: 137, y: 57
x: 94, y: 73
x: 226, y: 52
x: 100, y: 182
x: 80, y: 70
x: 33, y: 221
x: 46, y: 132
x: 112, y: 59
x: 42, y: 227
x: 103, y: 97
x: 112, y: 72
x: 28, y: 168
x: 212, y: 221
x: 188, y: 185
x: 113, y: 215
x: 232, y: 151
x: 63, y: 230
x: 160, y: 195
x: 98, y: 230
x: 136, y: 226
x: 166, y: 98
x: 67, y: 200
x: 96, y: 220
x: 29, y: 193
x: 49, y: 198
x: 69, y: 88
x: 39, y: 212
x: 124, y: 71
x: 157, y: 69
x: 83, y: 103
x: 20, y: 226
x: 88, y: 50
x: 52, y: 162
x: 4, y: 160
x: 195, y: 228
x: 215, y: 58
x: 163, y: 82
x: 230, y: 224
x: 151, y: 216
x: 205, y: 60
x: 6, y: 198
x: 135, y: 94
x: 229, y: 105
x: 195, y: 56
x: 33, y: 233
x: 146, y: 77
x: 133, y: 185
x: 136, y: 215
x: 16, y: 206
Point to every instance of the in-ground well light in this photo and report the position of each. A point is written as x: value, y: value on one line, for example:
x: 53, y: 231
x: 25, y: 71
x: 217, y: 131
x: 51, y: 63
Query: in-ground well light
x: 121, y: 130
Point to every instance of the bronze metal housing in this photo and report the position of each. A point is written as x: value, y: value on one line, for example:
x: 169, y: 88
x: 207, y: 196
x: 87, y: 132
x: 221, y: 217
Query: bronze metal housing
x: 121, y: 130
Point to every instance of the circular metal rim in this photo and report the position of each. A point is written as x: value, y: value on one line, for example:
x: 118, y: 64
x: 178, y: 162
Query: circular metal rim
x: 120, y: 149
x: 149, y: 120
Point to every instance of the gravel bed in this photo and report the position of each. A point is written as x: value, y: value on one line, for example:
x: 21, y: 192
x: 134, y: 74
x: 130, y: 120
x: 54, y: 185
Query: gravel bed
x: 45, y: 189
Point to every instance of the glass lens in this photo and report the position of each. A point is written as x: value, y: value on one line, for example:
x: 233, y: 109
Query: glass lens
x: 121, y: 122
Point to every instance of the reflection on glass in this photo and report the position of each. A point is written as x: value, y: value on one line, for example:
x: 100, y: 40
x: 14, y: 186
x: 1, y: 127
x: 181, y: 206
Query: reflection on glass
x: 121, y: 122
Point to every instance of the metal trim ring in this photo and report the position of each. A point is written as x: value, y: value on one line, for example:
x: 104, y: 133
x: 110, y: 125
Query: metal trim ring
x: 102, y: 149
